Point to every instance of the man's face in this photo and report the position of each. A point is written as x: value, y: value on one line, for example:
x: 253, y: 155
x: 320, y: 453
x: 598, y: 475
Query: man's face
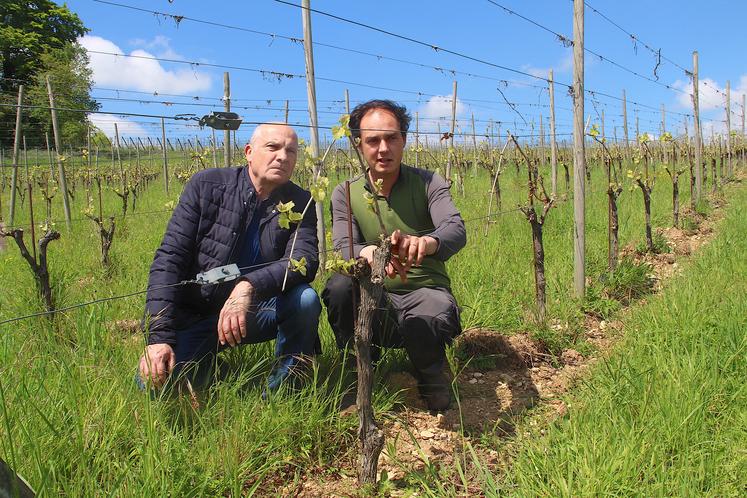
x: 271, y: 155
x: 382, y: 144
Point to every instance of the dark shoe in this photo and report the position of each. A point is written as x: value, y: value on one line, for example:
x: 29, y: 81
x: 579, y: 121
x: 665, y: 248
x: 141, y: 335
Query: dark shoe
x: 291, y: 371
x: 436, y: 391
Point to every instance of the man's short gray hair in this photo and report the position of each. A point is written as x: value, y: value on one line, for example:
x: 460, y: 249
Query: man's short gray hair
x: 256, y: 131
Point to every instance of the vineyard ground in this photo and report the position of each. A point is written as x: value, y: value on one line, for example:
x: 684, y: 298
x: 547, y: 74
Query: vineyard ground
x: 74, y: 423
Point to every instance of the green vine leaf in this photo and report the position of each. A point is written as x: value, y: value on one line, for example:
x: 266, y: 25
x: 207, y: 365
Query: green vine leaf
x: 287, y: 215
x: 336, y: 263
x: 319, y: 189
x: 343, y: 129
x: 369, y: 201
x: 299, y: 266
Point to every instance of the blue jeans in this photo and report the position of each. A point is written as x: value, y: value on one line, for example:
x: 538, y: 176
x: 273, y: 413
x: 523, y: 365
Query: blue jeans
x: 292, y: 319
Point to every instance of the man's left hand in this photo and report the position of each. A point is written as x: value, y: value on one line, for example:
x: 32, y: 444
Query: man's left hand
x: 409, y: 250
x: 232, y: 319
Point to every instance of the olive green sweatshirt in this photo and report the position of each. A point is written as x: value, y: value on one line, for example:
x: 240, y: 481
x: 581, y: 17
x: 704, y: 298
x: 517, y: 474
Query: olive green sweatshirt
x: 419, y: 204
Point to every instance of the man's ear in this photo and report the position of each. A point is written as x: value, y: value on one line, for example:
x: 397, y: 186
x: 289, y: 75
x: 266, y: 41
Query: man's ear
x: 247, y: 151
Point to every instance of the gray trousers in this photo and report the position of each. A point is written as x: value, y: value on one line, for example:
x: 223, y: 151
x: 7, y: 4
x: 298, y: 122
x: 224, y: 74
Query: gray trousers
x: 422, y: 321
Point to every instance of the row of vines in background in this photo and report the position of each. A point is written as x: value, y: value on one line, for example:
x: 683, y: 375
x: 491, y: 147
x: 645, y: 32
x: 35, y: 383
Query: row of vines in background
x: 125, y: 169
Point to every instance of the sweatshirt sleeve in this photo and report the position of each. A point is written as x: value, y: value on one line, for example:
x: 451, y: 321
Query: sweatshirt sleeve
x: 449, y: 226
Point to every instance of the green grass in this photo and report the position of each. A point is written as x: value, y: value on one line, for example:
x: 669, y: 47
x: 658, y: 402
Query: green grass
x: 666, y: 414
x: 73, y: 423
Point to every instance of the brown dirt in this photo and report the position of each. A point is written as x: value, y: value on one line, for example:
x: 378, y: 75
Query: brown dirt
x: 489, y: 401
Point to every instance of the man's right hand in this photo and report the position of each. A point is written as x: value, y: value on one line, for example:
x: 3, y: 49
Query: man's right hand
x: 157, y: 363
x: 393, y: 267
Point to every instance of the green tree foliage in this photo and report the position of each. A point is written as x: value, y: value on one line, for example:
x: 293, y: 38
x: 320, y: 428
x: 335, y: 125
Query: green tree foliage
x: 38, y: 37
x: 29, y: 29
x: 71, y: 81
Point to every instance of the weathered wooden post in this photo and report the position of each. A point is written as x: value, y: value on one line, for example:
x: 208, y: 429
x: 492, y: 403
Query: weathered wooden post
x: 165, y: 158
x: 625, y: 125
x: 313, y: 121
x: 579, y: 153
x: 58, y: 150
x: 451, y: 134
x: 227, y: 108
x: 553, y: 142
x: 730, y: 168
x: 698, y: 136
x: 16, y: 144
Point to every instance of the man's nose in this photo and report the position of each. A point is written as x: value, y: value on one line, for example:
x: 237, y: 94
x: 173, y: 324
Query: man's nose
x: 383, y: 146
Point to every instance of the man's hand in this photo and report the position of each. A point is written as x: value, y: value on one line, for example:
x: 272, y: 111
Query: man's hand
x: 232, y: 319
x: 407, y: 250
x: 411, y: 249
x: 157, y: 363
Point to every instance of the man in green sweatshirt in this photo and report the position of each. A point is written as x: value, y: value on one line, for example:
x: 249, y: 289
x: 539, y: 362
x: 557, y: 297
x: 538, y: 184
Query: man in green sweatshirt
x: 418, y: 311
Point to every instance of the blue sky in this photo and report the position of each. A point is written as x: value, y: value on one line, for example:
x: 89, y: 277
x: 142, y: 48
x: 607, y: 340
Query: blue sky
x: 476, y: 28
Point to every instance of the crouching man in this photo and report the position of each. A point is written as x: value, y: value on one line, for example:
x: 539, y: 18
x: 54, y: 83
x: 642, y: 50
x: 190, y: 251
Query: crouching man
x: 225, y: 216
x: 418, y: 311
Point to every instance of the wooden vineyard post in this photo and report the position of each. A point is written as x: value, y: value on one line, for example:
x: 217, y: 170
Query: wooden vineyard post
x: 474, y: 147
x: 313, y: 121
x: 674, y: 174
x: 124, y: 194
x: 16, y: 144
x: 214, y: 147
x: 30, y: 190
x: 58, y: 150
x: 625, y: 125
x: 495, y: 189
x: 286, y: 111
x: 614, y: 189
x: 743, y: 151
x: 553, y: 143
x: 646, y: 183
x: 451, y: 133
x: 579, y: 154
x: 730, y: 167
x: 698, y: 136
x: 536, y: 190
x: 542, y: 154
x: 417, y: 140
x: 165, y: 158
x: 227, y: 108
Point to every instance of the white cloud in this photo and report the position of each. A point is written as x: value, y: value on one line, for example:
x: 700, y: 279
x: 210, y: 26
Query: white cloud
x: 160, y: 44
x: 140, y: 74
x: 712, y: 102
x: 439, y: 106
x: 564, y: 65
x: 709, y: 96
x: 125, y: 127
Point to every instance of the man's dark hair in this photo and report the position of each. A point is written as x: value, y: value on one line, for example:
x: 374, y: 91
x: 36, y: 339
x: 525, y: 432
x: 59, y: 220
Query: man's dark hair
x: 399, y: 111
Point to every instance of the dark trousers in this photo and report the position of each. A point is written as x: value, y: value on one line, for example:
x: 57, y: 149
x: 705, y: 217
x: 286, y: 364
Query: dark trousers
x: 422, y: 321
x: 291, y: 319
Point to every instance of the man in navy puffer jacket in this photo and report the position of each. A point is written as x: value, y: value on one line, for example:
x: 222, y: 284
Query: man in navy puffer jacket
x: 226, y: 216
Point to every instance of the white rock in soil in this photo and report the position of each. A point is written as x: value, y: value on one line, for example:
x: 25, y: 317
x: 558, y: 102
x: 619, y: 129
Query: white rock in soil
x: 473, y: 381
x: 477, y: 374
x: 602, y: 325
x: 426, y: 434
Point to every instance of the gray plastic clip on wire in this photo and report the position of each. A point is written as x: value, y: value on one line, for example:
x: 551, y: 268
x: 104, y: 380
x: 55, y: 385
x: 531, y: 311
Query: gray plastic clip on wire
x: 219, y: 274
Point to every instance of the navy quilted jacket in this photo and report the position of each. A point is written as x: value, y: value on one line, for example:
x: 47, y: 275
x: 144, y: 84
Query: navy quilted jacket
x: 207, y: 230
